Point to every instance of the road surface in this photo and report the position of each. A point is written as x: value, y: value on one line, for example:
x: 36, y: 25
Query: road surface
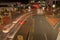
x: 37, y: 28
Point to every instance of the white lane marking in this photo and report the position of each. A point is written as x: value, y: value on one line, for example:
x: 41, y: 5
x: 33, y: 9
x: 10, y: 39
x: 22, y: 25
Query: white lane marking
x: 8, y: 29
x: 33, y: 25
x: 12, y: 36
x: 20, y: 37
x: 57, y: 25
x: 58, y: 37
x: 45, y: 36
x: 31, y: 29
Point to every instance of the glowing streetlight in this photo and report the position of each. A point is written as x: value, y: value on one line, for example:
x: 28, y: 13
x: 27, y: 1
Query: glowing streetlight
x: 54, y: 6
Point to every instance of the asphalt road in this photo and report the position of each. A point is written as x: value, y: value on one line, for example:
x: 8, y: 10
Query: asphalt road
x: 37, y: 28
x: 42, y: 29
x: 24, y: 30
x: 4, y: 35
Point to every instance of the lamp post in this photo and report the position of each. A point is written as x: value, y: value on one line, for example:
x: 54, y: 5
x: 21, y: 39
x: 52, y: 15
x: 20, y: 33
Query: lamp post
x: 55, y: 2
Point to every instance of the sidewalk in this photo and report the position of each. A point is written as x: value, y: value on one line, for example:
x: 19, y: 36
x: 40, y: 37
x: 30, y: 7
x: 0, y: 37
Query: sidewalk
x: 2, y: 26
x: 8, y: 22
x: 5, y: 20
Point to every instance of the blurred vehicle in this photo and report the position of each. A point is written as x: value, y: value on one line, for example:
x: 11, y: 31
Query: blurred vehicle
x: 35, y: 5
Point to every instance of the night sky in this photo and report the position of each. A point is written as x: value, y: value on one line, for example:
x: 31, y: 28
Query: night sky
x: 23, y: 1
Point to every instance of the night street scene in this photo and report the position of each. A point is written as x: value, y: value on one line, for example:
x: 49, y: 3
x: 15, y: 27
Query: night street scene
x: 29, y: 19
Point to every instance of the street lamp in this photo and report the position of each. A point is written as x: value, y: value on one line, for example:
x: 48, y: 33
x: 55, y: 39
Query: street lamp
x: 55, y: 2
x: 54, y: 6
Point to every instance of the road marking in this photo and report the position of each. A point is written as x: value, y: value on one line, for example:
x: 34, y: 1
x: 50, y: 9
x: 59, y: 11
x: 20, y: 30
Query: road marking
x: 14, y: 23
x: 45, y: 36
x: 13, y: 34
x: 20, y: 37
x: 58, y: 37
x: 53, y: 26
x: 31, y: 38
x: 7, y: 30
x: 33, y: 25
x: 32, y: 29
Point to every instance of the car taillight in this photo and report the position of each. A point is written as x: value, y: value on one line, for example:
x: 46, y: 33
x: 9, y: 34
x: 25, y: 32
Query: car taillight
x: 22, y: 22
